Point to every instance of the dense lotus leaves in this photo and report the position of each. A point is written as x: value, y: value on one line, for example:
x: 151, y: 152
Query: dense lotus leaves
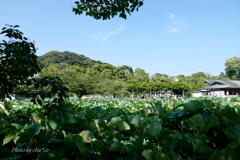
x: 87, y: 136
x: 136, y: 120
x: 101, y: 125
x: 179, y: 108
x: 174, y: 155
x: 163, y: 129
x: 116, y: 146
x: 185, y: 125
x: 234, y: 144
x: 79, y: 143
x: 208, y: 103
x: 102, y: 113
x: 169, y: 142
x: 165, y: 132
x: 225, y: 154
x: 145, y: 112
x: 193, y: 106
x: 134, y: 156
x: 91, y: 113
x: 68, y: 115
x: 183, y: 145
x: 147, y: 154
x: 231, y: 115
x: 36, y: 118
x: 161, y: 156
x: 98, y: 109
x: 52, y: 122
x: 153, y: 130
x: 198, y: 122
x: 154, y: 119
x: 67, y: 106
x: 107, y: 134
x: 199, y: 147
x: 158, y: 107
x: 176, y: 114
x: 123, y: 126
x: 233, y: 132
x: 32, y: 129
x: 98, y: 145
x: 114, y: 120
x: 130, y: 149
x: 120, y: 136
x: 114, y: 112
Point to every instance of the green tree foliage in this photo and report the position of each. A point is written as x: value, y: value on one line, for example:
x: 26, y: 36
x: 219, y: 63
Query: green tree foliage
x: 233, y: 67
x: 180, y: 88
x: 67, y: 58
x: 195, y: 83
x: 140, y: 75
x: 76, y: 78
x: 18, y: 61
x: 199, y: 75
x: 19, y: 69
x: 113, y: 87
x: 158, y: 77
x: 107, y: 9
x: 222, y: 75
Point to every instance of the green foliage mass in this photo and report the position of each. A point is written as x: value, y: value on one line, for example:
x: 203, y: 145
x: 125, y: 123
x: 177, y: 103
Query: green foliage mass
x: 67, y: 59
x: 18, y: 61
x: 233, y: 67
x: 196, y: 128
x: 107, y: 9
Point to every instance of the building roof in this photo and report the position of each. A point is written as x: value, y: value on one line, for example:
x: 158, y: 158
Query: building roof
x: 221, y: 83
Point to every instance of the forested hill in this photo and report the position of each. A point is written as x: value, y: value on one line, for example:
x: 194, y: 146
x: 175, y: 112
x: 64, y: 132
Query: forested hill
x: 67, y: 58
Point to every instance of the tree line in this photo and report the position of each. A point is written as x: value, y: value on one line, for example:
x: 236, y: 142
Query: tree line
x: 122, y: 81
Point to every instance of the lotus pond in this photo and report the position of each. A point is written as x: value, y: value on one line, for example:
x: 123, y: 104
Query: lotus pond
x: 121, y: 129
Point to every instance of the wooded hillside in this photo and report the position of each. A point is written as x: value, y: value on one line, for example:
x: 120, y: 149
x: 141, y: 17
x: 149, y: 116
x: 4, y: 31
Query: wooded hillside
x: 67, y: 58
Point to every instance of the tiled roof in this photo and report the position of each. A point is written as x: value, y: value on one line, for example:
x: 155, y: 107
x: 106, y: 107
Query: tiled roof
x: 221, y: 83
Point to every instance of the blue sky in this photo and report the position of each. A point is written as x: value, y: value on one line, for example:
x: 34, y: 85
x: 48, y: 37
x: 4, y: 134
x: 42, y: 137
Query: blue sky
x: 170, y: 37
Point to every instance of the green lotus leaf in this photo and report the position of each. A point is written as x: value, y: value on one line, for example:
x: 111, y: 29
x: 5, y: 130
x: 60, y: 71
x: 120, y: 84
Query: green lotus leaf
x: 147, y: 154
x: 201, y: 123
x: 225, y: 154
x: 78, y: 140
x: 136, y: 120
x: 159, y: 155
x: 153, y: 129
x: 87, y: 136
x: 114, y: 112
x: 114, y: 120
x: 98, y: 145
x: 231, y: 115
x: 32, y: 129
x: 233, y: 132
x: 193, y: 106
x: 123, y: 126
x: 177, y: 114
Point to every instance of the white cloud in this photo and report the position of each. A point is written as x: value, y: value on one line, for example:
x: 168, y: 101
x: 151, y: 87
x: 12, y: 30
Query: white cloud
x: 171, y: 16
x: 173, y: 30
x: 178, y: 22
x: 175, y: 24
x: 104, y: 37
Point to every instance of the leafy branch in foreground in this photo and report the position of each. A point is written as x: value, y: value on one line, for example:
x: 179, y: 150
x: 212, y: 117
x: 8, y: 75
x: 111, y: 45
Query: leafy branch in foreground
x: 106, y: 9
x: 18, y: 61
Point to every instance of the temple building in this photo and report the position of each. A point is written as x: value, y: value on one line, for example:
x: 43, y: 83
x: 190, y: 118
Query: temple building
x: 221, y: 88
